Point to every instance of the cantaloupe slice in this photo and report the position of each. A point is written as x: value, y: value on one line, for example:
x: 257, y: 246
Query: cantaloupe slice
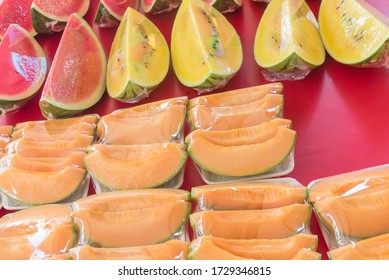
x: 307, y: 255
x: 375, y: 248
x: 57, y: 124
x: 135, y: 227
x: 151, y: 108
x: 210, y: 247
x: 349, y: 183
x: 237, y: 96
x: 169, y: 250
x: 41, y: 134
x: 130, y: 199
x: 46, y: 164
x: 359, y: 216
x: 252, y: 224
x: 242, y: 159
x: 238, y: 116
x: 35, y: 187
x: 247, y: 196
x: 165, y: 125
x: 5, y: 137
x: 130, y: 163
x: 56, y: 148
x: 6, y: 130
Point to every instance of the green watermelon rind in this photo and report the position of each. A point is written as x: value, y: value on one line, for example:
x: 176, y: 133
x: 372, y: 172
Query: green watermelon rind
x: 44, y: 23
x: 133, y: 93
x: 160, y: 6
x: 52, y: 109
x: 104, y: 18
x: 227, y: 6
x: 7, y: 106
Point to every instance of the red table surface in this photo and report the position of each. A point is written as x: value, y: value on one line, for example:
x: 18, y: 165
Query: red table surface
x: 340, y: 113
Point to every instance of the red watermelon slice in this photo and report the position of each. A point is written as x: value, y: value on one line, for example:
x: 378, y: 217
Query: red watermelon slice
x: 23, y: 68
x: 110, y: 12
x: 15, y: 11
x: 51, y: 16
x: 76, y: 80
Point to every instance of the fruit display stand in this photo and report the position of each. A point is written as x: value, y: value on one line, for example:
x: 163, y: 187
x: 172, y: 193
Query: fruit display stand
x: 340, y: 113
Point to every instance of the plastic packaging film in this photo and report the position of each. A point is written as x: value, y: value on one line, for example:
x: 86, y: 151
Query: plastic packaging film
x: 44, y: 162
x: 36, y: 233
x: 352, y: 210
x: 121, y: 167
x: 143, y: 217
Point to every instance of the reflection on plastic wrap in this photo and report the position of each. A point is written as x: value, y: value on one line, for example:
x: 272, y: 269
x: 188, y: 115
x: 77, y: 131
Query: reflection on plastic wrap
x: 36, y: 233
x: 352, y: 206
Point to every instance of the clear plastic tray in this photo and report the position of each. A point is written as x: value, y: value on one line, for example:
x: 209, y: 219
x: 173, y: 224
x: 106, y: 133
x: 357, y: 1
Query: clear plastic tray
x: 13, y: 204
x: 282, y: 169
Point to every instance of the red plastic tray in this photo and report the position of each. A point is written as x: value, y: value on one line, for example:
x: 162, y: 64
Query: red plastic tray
x: 340, y: 113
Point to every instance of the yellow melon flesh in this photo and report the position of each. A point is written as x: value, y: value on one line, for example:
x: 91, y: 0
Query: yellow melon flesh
x: 375, y: 248
x: 353, y: 32
x: 206, y: 50
x: 252, y: 224
x: 165, y: 125
x: 130, y: 163
x: 135, y: 227
x: 214, y: 248
x: 349, y: 183
x: 169, y: 250
x: 247, y: 196
x: 239, y: 116
x: 287, y: 37
x: 138, y: 60
x: 130, y: 199
x: 359, y: 216
x: 243, y: 159
x: 35, y: 187
x: 237, y: 96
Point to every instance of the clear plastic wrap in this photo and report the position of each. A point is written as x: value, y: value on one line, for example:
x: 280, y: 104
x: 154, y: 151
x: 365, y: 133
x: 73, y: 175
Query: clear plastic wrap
x: 169, y: 250
x: 143, y: 217
x: 352, y: 206
x: 250, y: 153
x: 287, y: 42
x: 36, y: 233
x: 121, y: 167
x: 274, y: 223
x: 5, y: 137
x: 263, y: 194
x: 295, y: 247
x: 159, y: 6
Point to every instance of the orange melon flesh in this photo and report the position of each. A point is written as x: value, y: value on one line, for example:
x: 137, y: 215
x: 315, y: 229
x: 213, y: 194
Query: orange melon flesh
x: 208, y: 247
x: 37, y: 246
x: 161, y: 162
x: 237, y: 96
x: 230, y: 117
x: 151, y: 108
x: 130, y: 199
x: 240, y: 136
x: 30, y: 220
x: 169, y: 250
x: 56, y: 148
x: 348, y: 183
x: 135, y: 227
x: 252, y: 224
x: 243, y: 160
x: 34, y: 187
x: 375, y: 248
x: 307, y: 255
x: 166, y: 125
x: 247, y: 196
x: 57, y: 124
x: 41, y: 134
x: 46, y: 164
x: 360, y: 216
x: 6, y: 130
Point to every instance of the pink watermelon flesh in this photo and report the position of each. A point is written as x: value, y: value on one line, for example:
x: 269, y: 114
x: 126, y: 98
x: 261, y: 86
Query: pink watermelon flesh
x: 61, y: 8
x: 118, y: 8
x: 23, y: 64
x: 76, y: 73
x: 15, y: 11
